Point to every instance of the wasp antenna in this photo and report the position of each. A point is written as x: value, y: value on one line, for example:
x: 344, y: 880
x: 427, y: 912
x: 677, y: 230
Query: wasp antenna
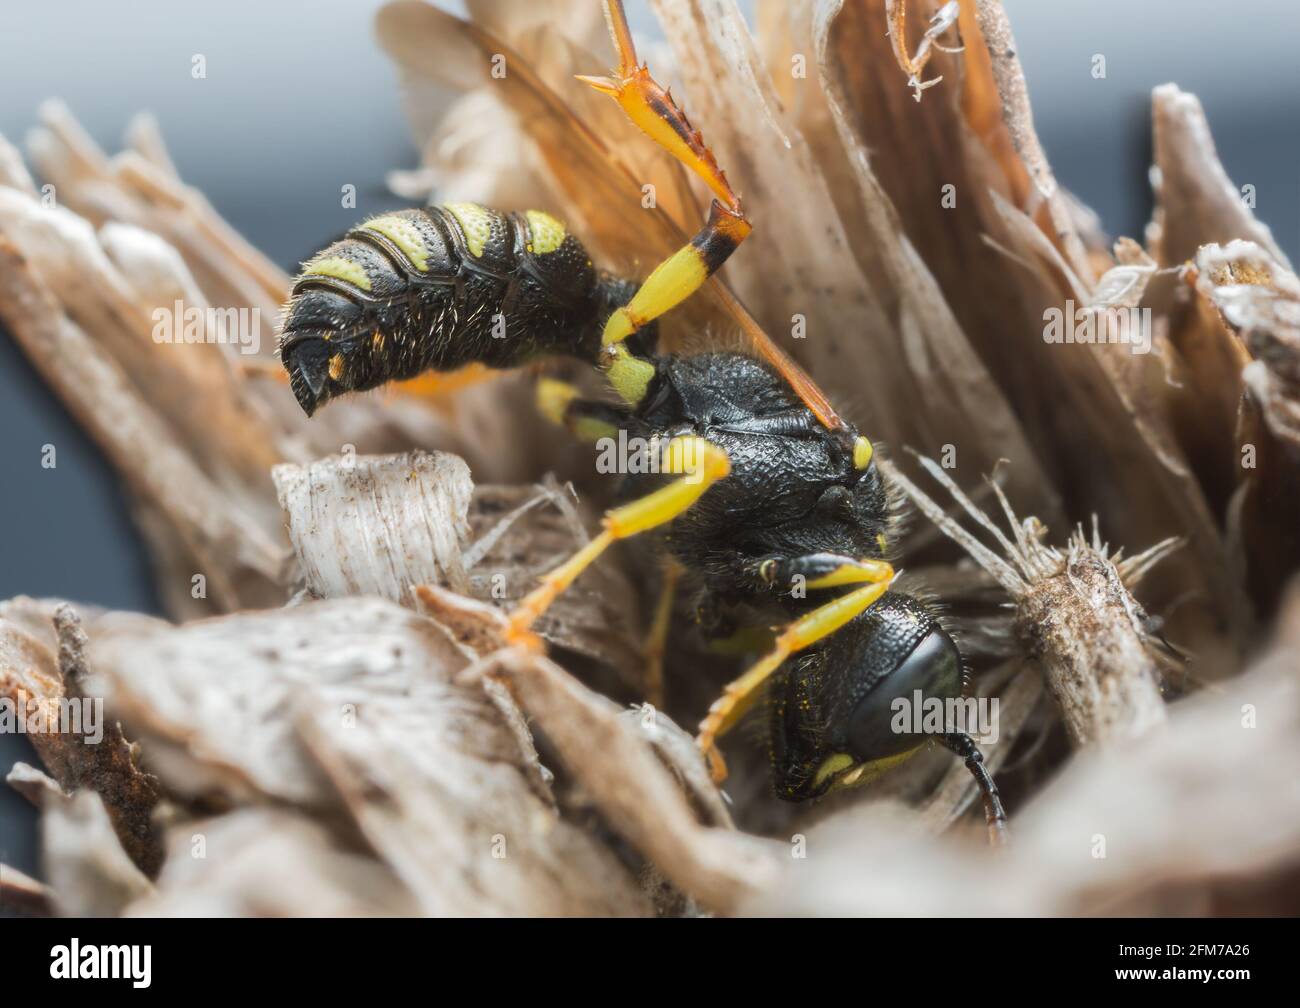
x: 964, y: 746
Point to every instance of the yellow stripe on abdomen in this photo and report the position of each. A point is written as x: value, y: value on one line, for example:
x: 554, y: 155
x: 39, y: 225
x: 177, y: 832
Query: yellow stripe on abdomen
x: 546, y: 234
x: 339, y: 268
x: 402, y: 233
x: 475, y: 224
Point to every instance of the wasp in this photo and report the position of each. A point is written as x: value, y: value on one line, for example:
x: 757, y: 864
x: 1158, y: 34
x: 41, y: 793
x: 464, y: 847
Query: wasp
x: 771, y: 501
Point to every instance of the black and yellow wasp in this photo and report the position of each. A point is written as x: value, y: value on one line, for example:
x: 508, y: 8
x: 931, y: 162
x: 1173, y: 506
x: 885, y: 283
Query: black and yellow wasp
x: 772, y: 502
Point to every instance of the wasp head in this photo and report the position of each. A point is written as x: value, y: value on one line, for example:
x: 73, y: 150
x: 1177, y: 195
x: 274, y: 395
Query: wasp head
x: 834, y: 714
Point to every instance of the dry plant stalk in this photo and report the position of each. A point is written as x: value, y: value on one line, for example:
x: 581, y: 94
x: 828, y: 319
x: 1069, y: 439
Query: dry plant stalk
x: 913, y: 63
x: 1075, y: 613
x: 335, y: 714
x: 1183, y: 833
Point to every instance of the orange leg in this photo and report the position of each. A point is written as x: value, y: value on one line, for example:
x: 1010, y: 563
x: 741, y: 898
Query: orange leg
x: 431, y: 386
x: 653, y: 110
x: 657, y: 639
x: 436, y: 385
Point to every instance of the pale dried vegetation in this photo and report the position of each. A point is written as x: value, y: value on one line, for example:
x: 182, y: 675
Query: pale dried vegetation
x: 336, y: 721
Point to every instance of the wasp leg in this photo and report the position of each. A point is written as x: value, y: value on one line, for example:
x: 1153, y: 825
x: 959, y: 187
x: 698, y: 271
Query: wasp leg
x: 436, y: 385
x: 258, y: 367
x: 964, y: 746
x: 586, y: 420
x: 746, y: 640
x: 701, y: 464
x: 433, y: 386
x: 653, y: 110
x: 591, y: 421
x: 739, y: 696
x: 656, y: 640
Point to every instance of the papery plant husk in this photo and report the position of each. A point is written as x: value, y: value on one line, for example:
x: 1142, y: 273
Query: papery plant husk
x: 330, y: 709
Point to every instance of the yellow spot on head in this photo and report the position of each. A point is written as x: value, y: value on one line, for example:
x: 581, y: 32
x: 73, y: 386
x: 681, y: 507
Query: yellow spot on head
x: 340, y: 269
x: 547, y: 233
x: 405, y: 235
x: 336, y: 366
x: 862, y: 452
x: 377, y: 341
x: 475, y: 223
x: 844, y: 772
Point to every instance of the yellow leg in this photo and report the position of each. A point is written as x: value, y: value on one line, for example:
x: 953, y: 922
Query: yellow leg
x: 854, y: 573
x: 680, y: 275
x: 653, y: 110
x: 657, y: 639
x: 700, y: 463
x: 587, y: 421
x: 739, y: 696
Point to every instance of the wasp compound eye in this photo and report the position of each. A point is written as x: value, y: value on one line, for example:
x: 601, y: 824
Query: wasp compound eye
x: 933, y: 668
x: 308, y: 364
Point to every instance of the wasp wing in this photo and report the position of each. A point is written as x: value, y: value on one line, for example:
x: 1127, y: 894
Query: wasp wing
x: 629, y: 201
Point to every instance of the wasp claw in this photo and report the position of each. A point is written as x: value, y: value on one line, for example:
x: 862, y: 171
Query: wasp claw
x: 519, y: 633
x: 605, y: 85
x: 713, y: 758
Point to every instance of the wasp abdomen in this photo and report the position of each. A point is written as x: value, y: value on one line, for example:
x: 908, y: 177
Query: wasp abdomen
x: 438, y: 288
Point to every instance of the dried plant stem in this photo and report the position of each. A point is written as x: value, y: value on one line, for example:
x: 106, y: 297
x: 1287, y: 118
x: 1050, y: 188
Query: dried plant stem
x: 913, y: 64
x: 135, y: 438
x: 1019, y: 119
x: 1081, y: 624
x: 1197, y: 203
x: 22, y: 894
x: 1074, y: 614
x: 377, y: 525
x: 109, y: 767
x: 719, y: 867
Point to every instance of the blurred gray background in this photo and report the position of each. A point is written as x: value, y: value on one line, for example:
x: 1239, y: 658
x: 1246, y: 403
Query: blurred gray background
x: 258, y: 138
